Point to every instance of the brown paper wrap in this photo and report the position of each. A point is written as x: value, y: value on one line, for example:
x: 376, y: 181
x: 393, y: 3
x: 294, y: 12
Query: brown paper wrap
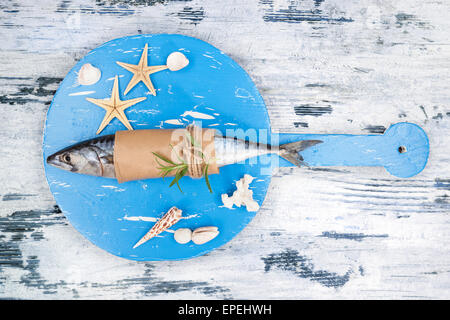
x: 134, y: 158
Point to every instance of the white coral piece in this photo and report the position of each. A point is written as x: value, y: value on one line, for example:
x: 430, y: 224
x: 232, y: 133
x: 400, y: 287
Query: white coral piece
x: 242, y: 196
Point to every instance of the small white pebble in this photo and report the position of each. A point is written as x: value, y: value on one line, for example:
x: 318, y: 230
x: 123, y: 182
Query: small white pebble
x: 88, y: 74
x: 183, y: 235
x: 176, y: 61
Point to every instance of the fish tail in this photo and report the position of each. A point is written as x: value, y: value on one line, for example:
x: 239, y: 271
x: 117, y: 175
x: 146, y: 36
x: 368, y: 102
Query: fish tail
x: 290, y: 151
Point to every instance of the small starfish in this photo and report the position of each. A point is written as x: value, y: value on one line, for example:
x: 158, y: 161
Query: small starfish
x: 115, y: 107
x: 141, y: 72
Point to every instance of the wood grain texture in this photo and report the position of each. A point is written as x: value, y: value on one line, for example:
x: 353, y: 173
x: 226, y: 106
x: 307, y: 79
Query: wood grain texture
x: 323, y: 66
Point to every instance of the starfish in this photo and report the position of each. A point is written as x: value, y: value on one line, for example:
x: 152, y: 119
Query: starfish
x: 115, y: 107
x: 141, y: 72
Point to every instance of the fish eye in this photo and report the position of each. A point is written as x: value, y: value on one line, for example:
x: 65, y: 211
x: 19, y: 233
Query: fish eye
x: 66, y: 157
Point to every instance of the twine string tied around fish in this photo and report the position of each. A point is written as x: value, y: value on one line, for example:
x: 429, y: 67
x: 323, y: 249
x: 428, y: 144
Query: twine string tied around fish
x: 192, y: 151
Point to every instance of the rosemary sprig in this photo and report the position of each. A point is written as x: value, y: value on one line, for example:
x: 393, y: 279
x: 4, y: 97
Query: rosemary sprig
x: 180, y: 169
x: 207, y: 178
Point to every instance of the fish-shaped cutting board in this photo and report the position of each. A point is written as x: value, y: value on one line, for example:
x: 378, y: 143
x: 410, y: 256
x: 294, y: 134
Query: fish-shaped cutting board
x: 212, y: 91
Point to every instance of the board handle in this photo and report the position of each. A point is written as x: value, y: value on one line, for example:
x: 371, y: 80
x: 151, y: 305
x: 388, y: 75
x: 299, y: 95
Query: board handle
x: 402, y: 150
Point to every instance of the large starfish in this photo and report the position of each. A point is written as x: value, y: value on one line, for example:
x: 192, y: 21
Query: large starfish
x: 115, y: 107
x: 141, y: 72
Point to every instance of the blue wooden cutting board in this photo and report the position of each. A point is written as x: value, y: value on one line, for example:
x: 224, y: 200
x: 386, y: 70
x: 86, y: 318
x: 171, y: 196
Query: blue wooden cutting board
x: 213, y: 91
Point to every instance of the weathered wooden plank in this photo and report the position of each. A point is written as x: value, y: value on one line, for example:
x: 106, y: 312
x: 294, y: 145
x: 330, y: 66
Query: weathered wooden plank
x: 322, y: 67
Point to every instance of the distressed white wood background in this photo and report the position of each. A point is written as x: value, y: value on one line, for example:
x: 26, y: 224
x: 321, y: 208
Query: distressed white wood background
x: 322, y: 66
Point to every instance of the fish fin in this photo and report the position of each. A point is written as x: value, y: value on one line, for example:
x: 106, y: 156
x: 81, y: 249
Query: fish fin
x: 290, y: 151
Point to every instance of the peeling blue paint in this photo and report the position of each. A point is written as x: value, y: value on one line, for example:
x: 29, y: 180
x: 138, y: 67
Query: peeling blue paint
x: 290, y: 260
x: 351, y: 236
x: 293, y: 14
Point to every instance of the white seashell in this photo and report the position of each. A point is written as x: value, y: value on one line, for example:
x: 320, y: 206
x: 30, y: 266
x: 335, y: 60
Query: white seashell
x: 176, y: 61
x: 183, y: 235
x: 88, y: 74
x: 204, y: 234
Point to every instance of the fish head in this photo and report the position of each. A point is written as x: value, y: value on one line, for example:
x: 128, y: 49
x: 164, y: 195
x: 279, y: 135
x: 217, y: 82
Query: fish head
x: 82, y: 159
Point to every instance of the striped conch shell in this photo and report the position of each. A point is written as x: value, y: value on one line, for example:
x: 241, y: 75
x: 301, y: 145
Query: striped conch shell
x: 169, y: 219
